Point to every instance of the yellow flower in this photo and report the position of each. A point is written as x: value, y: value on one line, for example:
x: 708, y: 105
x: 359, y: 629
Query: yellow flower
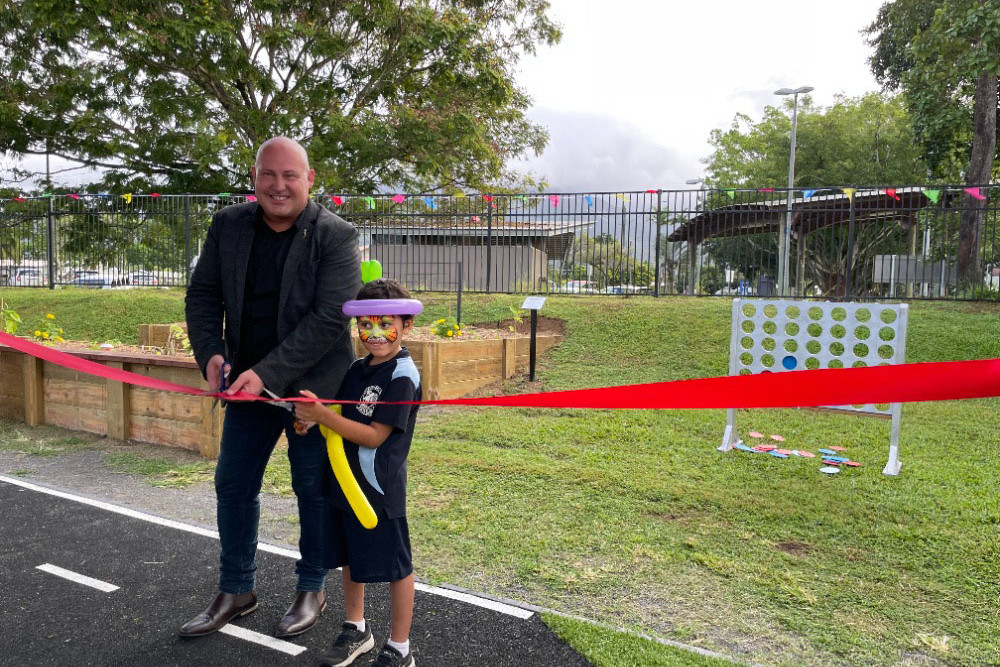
x: 37, y: 332
x: 459, y: 333
x: 60, y: 338
x: 441, y: 321
x: 450, y: 333
x: 45, y: 335
x: 51, y: 316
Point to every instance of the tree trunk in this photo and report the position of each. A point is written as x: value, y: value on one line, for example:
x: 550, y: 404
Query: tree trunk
x: 984, y: 141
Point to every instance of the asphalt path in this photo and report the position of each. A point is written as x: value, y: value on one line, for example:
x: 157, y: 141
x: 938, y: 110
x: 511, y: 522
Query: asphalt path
x: 137, y: 581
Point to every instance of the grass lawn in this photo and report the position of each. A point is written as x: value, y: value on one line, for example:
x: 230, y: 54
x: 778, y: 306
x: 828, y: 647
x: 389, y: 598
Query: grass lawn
x: 631, y: 518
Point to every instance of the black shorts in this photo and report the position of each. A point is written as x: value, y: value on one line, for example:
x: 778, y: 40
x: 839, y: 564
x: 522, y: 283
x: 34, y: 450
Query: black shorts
x: 380, y: 554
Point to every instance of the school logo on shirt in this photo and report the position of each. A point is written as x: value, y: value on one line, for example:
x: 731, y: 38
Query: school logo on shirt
x: 368, y: 399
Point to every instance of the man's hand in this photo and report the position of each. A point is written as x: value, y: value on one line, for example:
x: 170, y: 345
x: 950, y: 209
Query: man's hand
x: 248, y: 381
x: 215, y: 370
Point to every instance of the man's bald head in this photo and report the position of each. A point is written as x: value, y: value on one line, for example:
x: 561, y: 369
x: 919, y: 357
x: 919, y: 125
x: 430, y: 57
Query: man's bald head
x: 284, y: 141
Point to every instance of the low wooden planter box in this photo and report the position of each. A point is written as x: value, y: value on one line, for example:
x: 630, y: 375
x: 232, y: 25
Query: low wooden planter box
x: 38, y: 392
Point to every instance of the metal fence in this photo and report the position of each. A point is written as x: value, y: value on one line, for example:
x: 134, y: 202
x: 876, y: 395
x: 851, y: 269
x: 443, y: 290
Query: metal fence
x: 915, y: 242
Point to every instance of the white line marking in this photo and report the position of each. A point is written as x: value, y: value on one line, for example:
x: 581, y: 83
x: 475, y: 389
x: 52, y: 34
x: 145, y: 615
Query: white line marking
x: 78, y: 578
x: 169, y: 523
x: 288, y: 553
x: 263, y: 640
x: 510, y: 610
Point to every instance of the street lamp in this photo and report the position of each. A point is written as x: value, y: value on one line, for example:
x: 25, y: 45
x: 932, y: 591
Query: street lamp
x: 785, y: 232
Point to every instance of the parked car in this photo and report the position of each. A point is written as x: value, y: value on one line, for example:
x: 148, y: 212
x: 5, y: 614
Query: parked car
x: 577, y: 287
x: 87, y: 278
x: 144, y: 279
x: 29, y: 277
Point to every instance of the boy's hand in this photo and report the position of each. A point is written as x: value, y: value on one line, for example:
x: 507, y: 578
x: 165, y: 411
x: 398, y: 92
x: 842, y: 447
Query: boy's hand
x: 311, y: 411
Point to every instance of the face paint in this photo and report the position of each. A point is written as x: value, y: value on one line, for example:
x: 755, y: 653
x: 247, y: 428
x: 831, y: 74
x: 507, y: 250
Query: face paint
x: 377, y: 328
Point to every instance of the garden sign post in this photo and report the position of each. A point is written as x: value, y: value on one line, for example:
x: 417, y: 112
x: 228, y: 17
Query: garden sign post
x: 534, y: 304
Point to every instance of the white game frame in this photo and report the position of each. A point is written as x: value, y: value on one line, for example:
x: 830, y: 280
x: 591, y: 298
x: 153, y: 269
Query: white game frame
x: 780, y: 335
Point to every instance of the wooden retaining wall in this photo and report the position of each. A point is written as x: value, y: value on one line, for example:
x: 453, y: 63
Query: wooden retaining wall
x: 37, y: 392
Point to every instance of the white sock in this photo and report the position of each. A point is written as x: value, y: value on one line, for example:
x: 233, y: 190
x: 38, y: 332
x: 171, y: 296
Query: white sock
x: 402, y: 647
x: 360, y: 625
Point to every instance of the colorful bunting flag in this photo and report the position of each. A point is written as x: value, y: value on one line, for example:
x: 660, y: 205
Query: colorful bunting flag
x: 933, y: 195
x: 154, y: 194
x: 225, y: 194
x: 459, y: 195
x: 47, y: 195
x: 488, y: 198
x: 892, y: 193
x: 974, y: 192
x: 73, y: 195
x: 849, y: 192
x: 19, y: 199
x: 808, y: 193
x: 652, y: 192
x: 127, y: 197
x: 251, y: 197
x: 589, y: 200
x: 730, y: 192
x: 371, y: 202
x: 621, y: 195
x: 431, y: 203
x: 554, y: 200
x: 338, y: 201
x: 765, y: 189
x: 398, y: 199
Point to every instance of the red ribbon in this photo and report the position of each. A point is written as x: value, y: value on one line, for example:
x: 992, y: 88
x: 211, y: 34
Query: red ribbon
x: 903, y: 383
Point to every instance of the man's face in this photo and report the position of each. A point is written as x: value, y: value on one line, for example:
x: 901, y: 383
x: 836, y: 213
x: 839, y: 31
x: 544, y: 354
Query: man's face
x: 282, y: 181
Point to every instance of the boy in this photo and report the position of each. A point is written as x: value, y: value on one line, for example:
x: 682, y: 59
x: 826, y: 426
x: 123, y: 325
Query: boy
x: 377, y: 440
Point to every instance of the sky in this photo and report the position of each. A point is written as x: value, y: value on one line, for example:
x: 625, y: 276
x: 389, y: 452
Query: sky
x: 633, y: 90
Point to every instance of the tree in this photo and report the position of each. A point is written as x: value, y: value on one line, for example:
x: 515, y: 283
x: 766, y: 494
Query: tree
x: 945, y: 56
x: 865, y: 140
x: 410, y: 93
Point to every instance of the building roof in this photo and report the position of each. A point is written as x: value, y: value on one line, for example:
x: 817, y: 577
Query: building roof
x: 808, y: 214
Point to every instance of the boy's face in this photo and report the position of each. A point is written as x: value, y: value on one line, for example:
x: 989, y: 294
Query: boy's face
x: 383, y: 335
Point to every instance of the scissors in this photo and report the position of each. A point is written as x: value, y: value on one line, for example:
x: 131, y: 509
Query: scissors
x: 280, y: 403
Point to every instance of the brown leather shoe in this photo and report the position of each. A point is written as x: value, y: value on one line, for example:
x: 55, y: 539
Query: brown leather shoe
x: 224, y: 608
x: 302, y: 615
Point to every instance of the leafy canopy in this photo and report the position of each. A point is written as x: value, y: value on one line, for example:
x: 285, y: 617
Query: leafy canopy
x: 934, y: 51
x: 865, y: 140
x: 407, y: 93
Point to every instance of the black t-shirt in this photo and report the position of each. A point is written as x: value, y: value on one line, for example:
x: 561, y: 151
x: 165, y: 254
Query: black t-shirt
x: 259, y: 322
x: 381, y: 472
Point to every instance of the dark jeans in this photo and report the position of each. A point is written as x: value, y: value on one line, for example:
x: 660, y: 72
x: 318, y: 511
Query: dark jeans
x: 249, y: 433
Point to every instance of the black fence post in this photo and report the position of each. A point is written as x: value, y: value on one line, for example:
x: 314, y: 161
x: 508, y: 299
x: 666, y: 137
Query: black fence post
x: 489, y: 246
x: 187, y: 239
x: 849, y: 266
x: 659, y: 223
x: 50, y: 254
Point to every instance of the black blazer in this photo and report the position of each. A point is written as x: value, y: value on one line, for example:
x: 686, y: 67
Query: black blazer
x: 322, y: 271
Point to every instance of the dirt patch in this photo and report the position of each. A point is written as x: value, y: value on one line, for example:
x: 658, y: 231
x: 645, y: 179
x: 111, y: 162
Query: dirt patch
x: 795, y: 548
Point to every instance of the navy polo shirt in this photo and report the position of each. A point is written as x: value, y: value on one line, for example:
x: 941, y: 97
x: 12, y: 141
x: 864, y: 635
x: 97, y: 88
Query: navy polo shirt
x: 381, y: 472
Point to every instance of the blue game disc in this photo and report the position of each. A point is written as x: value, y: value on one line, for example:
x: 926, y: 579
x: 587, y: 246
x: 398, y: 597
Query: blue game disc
x: 829, y: 471
x: 827, y: 451
x: 779, y: 455
x: 789, y: 362
x: 837, y: 458
x: 742, y: 447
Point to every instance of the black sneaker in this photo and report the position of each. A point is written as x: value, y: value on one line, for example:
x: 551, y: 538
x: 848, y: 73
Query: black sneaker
x: 390, y: 657
x: 349, y: 645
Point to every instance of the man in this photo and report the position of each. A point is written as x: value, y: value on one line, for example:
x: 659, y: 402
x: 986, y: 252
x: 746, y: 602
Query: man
x: 264, y: 307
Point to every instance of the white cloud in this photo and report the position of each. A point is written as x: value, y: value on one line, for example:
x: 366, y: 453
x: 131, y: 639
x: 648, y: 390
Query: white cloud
x: 596, y: 152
